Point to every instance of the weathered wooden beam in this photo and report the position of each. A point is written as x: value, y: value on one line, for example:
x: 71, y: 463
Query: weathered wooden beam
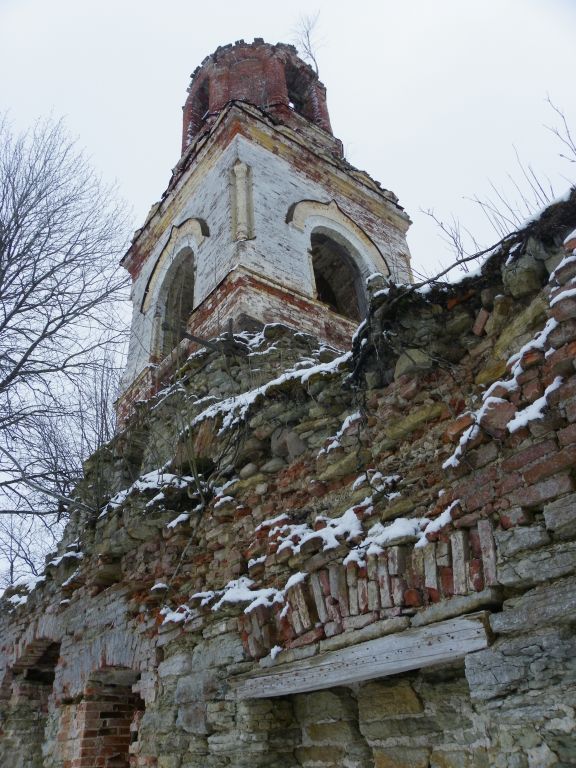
x: 439, y: 643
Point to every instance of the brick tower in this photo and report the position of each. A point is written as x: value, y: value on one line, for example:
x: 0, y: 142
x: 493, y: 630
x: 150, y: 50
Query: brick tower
x: 263, y: 220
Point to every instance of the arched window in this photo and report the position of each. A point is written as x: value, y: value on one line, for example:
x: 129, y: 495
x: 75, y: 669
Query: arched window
x: 337, y: 277
x: 177, y: 299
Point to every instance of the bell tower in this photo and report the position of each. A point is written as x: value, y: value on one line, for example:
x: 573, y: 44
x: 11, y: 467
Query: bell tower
x: 263, y: 220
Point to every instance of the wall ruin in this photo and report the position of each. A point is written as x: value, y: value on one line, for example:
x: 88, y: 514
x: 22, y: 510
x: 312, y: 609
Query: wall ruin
x: 280, y: 511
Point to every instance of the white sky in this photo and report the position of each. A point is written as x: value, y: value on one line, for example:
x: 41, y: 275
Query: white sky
x: 428, y: 96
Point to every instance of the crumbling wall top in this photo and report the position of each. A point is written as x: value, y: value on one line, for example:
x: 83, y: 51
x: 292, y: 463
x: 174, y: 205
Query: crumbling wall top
x: 272, y: 77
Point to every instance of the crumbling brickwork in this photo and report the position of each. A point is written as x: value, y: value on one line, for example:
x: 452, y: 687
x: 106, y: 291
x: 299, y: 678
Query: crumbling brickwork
x: 303, y: 558
x: 272, y: 77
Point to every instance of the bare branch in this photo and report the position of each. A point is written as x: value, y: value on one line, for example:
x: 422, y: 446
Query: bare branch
x: 61, y: 235
x: 563, y: 134
x: 304, y: 38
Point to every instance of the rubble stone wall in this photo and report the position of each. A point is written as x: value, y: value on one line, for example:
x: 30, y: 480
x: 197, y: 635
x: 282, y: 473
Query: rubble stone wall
x: 279, y: 503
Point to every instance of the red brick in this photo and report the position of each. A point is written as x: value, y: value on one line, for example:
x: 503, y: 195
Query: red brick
x: 446, y: 580
x: 565, y: 392
x: 550, y: 466
x: 509, y: 482
x: 562, y: 334
x: 413, y: 598
x: 480, y: 322
x: 548, y: 489
x: 528, y: 455
x: 482, y: 455
x: 478, y: 479
x: 515, y: 516
x: 474, y: 544
x: 312, y: 636
x: 496, y: 418
x: 567, y: 436
x: 561, y: 362
x: 466, y: 521
x: 532, y: 391
x: 566, y: 272
x: 477, y: 498
x: 529, y: 375
x: 476, y: 576
x: 564, y: 309
x: 570, y: 407
x: 456, y: 427
x: 531, y: 358
x: 499, y: 390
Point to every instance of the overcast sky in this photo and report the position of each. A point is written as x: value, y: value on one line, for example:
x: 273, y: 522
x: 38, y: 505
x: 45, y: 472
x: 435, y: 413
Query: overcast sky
x: 429, y: 96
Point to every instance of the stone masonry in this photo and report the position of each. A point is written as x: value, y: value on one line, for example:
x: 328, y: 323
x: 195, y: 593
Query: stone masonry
x: 279, y: 509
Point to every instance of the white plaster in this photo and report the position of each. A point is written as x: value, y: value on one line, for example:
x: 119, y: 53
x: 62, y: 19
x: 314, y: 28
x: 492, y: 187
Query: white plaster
x: 274, y: 249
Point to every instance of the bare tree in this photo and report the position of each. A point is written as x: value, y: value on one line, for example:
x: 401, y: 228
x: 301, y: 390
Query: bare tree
x: 304, y: 37
x: 61, y: 294
x: 507, y: 211
x: 563, y: 133
x: 528, y: 193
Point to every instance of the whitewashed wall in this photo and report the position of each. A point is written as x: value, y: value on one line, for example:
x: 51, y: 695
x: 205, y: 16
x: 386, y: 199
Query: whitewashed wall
x: 278, y: 250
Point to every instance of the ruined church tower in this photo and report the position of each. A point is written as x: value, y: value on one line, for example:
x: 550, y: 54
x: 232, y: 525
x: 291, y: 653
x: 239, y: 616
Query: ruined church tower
x: 263, y: 220
x: 292, y: 557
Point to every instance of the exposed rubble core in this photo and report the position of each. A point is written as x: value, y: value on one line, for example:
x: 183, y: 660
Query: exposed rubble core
x: 297, y: 557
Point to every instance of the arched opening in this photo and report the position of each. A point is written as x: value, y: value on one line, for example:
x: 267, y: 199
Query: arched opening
x: 298, y: 84
x: 111, y: 711
x: 337, y: 277
x: 178, y: 300
x: 27, y: 708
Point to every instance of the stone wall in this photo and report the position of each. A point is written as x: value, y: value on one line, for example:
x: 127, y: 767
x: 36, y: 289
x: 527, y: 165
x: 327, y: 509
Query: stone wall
x: 280, y: 507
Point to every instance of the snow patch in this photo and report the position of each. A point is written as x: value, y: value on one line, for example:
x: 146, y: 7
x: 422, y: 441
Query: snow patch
x: 535, y: 410
x: 567, y: 294
x: 66, y: 556
x: 17, y: 600
x: 335, y: 440
x: 432, y: 526
x: 183, y: 518
x: 233, y: 410
x: 275, y: 651
x: 155, y: 480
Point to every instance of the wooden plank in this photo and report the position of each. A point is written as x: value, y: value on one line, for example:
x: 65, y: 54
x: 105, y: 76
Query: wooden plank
x: 439, y: 643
